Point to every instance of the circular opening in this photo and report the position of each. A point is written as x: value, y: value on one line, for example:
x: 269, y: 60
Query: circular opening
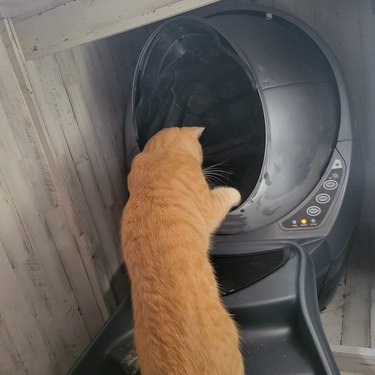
x: 203, y: 82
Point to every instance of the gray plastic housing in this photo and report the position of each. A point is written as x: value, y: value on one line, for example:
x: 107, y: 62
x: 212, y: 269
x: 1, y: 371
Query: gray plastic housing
x: 278, y: 317
x: 328, y: 243
x: 302, y: 112
x: 302, y: 103
x: 309, y: 128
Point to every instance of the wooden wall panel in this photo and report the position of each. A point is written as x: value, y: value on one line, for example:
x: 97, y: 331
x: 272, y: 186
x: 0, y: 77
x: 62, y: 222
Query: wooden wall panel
x: 81, y: 101
x: 73, y: 162
x: 82, y: 21
x: 367, y: 30
x: 39, y: 311
x: 62, y: 190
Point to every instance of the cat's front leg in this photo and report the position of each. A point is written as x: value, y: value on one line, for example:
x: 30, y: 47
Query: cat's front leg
x: 222, y: 200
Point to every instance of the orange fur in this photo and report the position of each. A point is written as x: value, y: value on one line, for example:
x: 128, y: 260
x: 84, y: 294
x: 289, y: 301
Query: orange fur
x: 181, y: 325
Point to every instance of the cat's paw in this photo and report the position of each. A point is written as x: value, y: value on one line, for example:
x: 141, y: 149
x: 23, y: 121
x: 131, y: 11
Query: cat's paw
x: 234, y: 197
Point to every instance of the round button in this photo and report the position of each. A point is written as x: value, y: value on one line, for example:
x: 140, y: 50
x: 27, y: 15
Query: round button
x: 323, y: 198
x: 313, y: 211
x: 330, y: 185
x: 335, y: 175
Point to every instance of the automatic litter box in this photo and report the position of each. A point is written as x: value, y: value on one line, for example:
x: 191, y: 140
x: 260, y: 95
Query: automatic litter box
x: 279, y: 122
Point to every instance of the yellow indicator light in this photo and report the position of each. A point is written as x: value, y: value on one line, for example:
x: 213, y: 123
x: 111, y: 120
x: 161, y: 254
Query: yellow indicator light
x: 303, y: 221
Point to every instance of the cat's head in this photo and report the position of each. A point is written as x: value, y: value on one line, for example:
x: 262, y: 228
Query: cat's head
x: 185, y: 139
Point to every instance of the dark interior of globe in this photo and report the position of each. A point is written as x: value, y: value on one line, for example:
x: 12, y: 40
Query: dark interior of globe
x: 203, y: 84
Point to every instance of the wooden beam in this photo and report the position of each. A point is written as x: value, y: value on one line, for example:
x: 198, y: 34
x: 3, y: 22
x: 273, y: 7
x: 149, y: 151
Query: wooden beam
x: 354, y: 359
x: 81, y: 21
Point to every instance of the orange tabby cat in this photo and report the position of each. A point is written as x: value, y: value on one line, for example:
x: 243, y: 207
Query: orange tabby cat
x: 181, y: 325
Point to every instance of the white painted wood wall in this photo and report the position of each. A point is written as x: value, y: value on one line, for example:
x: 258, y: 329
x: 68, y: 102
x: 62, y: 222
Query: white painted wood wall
x: 62, y: 188
x: 62, y: 180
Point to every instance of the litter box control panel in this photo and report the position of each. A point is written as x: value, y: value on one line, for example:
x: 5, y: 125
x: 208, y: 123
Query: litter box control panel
x: 312, y: 214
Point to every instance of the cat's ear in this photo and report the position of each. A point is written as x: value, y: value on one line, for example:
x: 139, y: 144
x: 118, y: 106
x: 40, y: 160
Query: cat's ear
x: 198, y: 131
